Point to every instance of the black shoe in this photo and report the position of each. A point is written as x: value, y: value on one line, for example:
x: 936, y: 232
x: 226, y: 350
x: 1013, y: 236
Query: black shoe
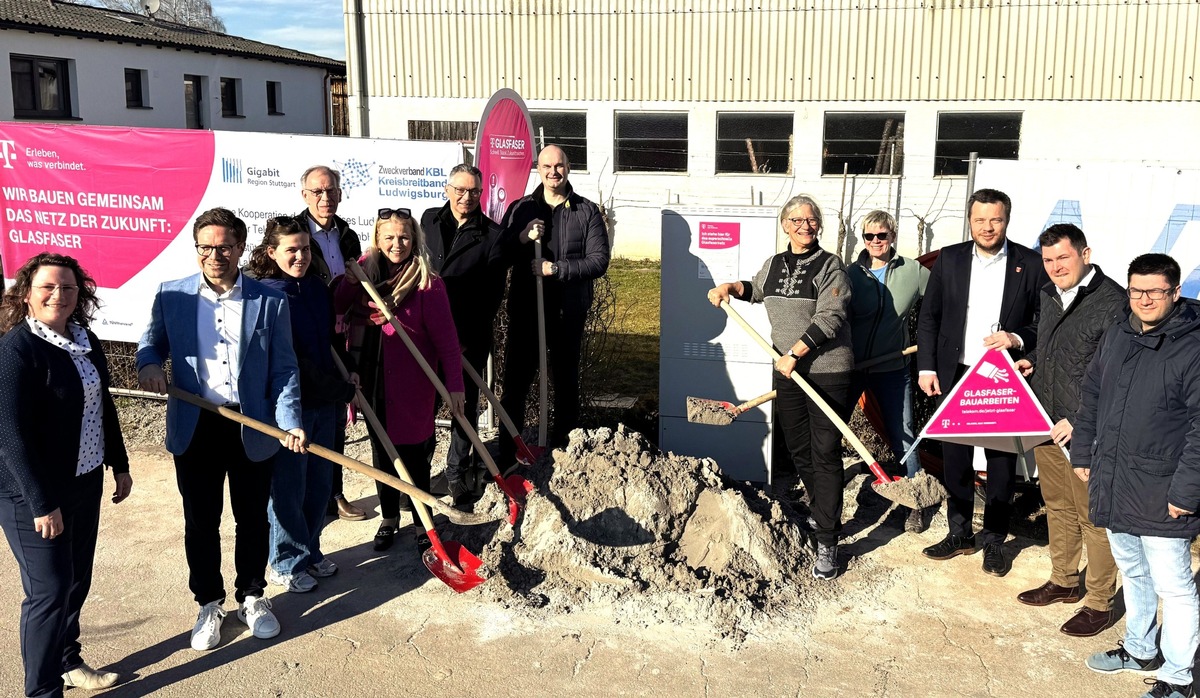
x: 423, y: 543
x: 951, y: 546
x: 385, y: 536
x: 1162, y: 689
x: 994, y: 562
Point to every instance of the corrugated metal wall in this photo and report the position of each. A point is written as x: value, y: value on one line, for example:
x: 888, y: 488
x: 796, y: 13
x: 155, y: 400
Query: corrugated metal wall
x: 783, y: 50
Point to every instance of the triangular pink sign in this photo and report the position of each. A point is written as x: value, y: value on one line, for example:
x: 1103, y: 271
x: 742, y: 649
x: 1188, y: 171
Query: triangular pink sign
x: 991, y: 407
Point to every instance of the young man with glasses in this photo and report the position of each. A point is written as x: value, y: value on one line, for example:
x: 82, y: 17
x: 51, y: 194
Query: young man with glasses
x: 962, y: 317
x: 334, y: 242
x: 1137, y: 444
x: 464, y: 249
x: 229, y: 339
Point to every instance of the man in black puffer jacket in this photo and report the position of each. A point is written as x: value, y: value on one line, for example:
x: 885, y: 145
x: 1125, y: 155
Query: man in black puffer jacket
x: 1137, y: 443
x: 1078, y: 305
x: 575, y: 251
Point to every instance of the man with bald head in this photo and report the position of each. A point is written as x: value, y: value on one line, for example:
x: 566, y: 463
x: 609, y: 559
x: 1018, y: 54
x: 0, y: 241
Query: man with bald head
x: 575, y: 251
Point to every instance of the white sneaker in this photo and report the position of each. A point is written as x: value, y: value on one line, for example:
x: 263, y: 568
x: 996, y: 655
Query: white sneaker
x: 207, y: 633
x: 298, y: 583
x: 87, y: 678
x: 255, y: 612
x: 324, y: 568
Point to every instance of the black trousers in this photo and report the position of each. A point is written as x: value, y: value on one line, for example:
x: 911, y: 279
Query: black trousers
x: 959, y: 476
x: 564, y: 343
x: 215, y: 453
x: 459, y: 457
x: 56, y: 575
x: 815, y: 445
x: 416, y: 458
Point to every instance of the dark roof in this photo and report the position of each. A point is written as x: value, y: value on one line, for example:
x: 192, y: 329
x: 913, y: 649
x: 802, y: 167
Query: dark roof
x: 52, y: 17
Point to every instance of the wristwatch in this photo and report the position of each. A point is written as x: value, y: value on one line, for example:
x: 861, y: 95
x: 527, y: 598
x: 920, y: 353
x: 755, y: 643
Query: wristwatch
x: 793, y: 354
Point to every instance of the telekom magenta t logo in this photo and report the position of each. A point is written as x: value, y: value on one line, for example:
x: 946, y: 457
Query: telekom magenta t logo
x: 8, y: 151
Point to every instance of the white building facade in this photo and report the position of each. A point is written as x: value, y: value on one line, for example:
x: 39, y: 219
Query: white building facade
x: 738, y: 102
x: 86, y: 65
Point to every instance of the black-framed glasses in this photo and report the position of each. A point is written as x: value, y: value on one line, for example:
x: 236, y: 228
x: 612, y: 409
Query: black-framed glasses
x: 331, y: 192
x: 385, y: 213
x: 221, y: 250
x: 798, y: 222
x: 463, y: 192
x: 876, y: 236
x: 1154, y: 294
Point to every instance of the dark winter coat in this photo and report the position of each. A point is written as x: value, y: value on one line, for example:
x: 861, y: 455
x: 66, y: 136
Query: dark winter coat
x: 1138, y: 427
x: 311, y: 308
x: 575, y: 239
x: 473, y: 267
x: 348, y: 241
x: 1067, y: 341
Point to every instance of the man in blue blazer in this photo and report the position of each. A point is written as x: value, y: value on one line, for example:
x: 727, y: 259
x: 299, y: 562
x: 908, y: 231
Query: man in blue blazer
x: 962, y: 317
x: 229, y: 339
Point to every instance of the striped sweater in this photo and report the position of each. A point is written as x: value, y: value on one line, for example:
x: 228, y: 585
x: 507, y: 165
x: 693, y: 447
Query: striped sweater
x: 807, y: 296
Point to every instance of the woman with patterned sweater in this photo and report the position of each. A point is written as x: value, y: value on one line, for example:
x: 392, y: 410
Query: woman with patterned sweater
x: 806, y: 293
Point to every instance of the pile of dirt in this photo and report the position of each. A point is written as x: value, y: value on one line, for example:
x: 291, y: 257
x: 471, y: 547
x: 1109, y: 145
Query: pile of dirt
x: 652, y: 536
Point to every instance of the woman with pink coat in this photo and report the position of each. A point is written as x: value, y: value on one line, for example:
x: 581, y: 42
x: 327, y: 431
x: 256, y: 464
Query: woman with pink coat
x: 405, y: 400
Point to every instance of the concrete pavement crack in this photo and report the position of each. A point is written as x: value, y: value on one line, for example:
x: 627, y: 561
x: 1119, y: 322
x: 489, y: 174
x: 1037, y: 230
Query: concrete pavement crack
x: 580, y: 662
x: 411, y: 641
x: 704, y: 673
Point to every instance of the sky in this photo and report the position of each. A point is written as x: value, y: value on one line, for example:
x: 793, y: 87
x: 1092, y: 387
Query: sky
x: 312, y: 27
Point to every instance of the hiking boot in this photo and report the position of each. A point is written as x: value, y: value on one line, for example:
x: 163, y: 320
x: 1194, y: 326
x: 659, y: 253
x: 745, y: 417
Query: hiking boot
x: 206, y: 634
x: 826, y: 565
x: 1118, y: 660
x: 915, y: 523
x: 1162, y: 689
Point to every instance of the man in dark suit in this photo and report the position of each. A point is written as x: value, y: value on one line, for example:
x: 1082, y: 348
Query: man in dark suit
x: 464, y: 249
x: 962, y: 317
x: 334, y: 242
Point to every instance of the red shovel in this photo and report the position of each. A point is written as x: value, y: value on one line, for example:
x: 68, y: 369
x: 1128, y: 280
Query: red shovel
x: 527, y: 454
x: 514, y: 487
x: 449, y: 561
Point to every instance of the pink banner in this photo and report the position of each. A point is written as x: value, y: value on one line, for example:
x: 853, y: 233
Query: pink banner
x: 719, y: 236
x: 86, y: 193
x: 504, y: 152
x: 992, y: 406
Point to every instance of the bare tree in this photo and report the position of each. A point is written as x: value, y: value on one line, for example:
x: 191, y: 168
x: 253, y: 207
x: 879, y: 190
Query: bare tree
x: 192, y: 13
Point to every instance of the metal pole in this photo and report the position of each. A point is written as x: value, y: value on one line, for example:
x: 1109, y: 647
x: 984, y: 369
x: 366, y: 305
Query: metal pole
x: 970, y: 190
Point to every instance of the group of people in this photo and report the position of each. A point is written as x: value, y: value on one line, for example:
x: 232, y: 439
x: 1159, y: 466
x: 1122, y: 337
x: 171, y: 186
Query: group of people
x: 290, y: 340
x: 1116, y: 369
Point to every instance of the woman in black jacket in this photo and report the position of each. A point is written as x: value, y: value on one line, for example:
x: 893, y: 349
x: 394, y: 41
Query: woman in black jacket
x: 58, y: 426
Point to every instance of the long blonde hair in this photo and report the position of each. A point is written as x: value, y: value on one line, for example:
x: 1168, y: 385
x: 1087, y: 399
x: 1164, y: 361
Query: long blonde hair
x: 420, y: 255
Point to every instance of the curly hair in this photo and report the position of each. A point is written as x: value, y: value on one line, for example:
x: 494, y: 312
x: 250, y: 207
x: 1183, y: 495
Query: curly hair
x: 261, y: 266
x: 13, y: 309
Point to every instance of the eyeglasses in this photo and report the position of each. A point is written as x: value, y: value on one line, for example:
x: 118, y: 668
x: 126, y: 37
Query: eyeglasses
x: 876, y: 236
x: 221, y: 250
x: 463, y: 192
x: 64, y: 289
x: 385, y: 213
x: 1154, y: 294
x: 798, y: 222
x: 332, y: 192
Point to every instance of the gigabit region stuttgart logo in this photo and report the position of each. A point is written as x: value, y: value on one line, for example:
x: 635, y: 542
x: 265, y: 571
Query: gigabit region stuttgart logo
x: 355, y: 173
x: 231, y: 170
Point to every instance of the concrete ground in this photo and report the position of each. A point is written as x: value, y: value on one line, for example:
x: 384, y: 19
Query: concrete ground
x: 896, y: 624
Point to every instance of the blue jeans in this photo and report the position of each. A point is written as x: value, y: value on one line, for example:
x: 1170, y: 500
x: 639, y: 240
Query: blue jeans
x: 300, y: 491
x: 1155, y: 568
x: 893, y: 391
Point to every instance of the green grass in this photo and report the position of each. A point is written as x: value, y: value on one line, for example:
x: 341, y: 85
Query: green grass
x: 635, y: 329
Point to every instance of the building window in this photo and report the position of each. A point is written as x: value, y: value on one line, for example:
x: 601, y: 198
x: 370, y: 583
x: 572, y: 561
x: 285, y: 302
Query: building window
x: 193, y: 100
x: 136, y: 89
x: 649, y: 142
x: 274, y: 98
x: 442, y: 130
x: 566, y: 129
x: 40, y: 87
x: 863, y: 143
x: 754, y: 143
x: 231, y: 97
x: 992, y: 135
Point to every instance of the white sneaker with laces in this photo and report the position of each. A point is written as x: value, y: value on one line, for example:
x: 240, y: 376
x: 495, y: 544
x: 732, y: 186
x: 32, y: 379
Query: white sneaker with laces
x: 324, y: 568
x: 256, y: 613
x: 207, y: 632
x: 298, y: 583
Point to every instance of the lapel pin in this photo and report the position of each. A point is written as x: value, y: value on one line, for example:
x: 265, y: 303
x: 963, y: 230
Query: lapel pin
x: 1017, y: 270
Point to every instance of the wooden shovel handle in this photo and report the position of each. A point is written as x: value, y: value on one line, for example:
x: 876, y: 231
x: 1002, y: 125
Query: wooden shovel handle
x: 874, y: 361
x: 751, y: 404
x: 855, y: 443
x: 458, y: 517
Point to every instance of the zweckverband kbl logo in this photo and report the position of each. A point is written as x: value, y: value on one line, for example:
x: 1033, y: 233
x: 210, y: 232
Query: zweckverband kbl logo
x: 8, y: 151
